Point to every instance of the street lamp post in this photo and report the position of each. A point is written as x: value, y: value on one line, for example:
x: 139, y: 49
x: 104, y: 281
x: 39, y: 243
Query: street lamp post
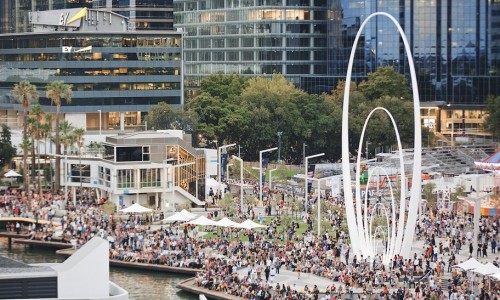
x: 260, y: 170
x: 80, y: 144
x: 100, y: 122
x: 241, y: 180
x: 239, y: 150
x: 279, y: 134
x: 271, y: 178
x: 227, y: 170
x: 367, y: 144
x: 219, y: 167
x: 477, y: 209
x: 306, y: 181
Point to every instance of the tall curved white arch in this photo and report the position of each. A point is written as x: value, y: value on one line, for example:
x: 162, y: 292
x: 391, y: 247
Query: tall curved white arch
x: 402, y: 201
x: 356, y: 232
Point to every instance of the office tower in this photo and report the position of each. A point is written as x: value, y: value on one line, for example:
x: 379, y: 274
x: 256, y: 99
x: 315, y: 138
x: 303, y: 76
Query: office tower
x: 116, y: 73
x: 252, y: 37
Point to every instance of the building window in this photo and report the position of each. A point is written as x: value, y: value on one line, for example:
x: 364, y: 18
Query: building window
x: 104, y: 176
x: 150, y: 178
x: 75, y: 173
x: 126, y: 179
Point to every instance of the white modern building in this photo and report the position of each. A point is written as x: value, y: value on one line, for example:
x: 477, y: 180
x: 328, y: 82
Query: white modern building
x: 154, y: 168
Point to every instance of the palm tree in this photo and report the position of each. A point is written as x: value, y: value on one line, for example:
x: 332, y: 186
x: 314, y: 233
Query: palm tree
x: 45, y: 131
x: 35, y: 119
x: 79, y: 133
x: 67, y: 138
x: 56, y: 91
x: 36, y: 116
x: 26, y: 93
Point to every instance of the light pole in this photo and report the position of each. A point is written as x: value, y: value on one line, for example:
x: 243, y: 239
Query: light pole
x: 477, y: 208
x: 271, y: 179
x: 227, y: 170
x: 260, y: 170
x: 219, y: 150
x: 241, y: 180
x: 367, y: 144
x: 279, y: 133
x: 100, y: 122
x: 304, y: 153
x: 80, y: 144
x: 239, y: 150
x: 307, y: 176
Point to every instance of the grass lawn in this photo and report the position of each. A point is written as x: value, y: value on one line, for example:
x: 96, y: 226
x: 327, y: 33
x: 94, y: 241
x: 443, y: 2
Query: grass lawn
x: 279, y: 230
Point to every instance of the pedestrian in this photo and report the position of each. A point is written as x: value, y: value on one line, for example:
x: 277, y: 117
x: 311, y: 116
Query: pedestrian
x: 267, y: 272
x: 18, y: 227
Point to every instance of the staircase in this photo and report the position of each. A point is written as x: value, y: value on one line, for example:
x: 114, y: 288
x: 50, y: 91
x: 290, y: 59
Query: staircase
x: 188, y: 196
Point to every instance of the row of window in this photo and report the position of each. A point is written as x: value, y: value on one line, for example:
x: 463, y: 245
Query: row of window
x: 221, y: 4
x: 249, y: 69
x: 96, y: 56
x: 117, y: 71
x: 95, y: 41
x: 112, y: 101
x: 253, y: 42
x: 255, y: 55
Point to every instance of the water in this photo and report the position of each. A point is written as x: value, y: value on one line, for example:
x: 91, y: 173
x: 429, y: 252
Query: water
x: 140, y: 284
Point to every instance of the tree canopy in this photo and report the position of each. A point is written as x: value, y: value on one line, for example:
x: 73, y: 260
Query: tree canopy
x: 493, y: 119
x: 251, y: 111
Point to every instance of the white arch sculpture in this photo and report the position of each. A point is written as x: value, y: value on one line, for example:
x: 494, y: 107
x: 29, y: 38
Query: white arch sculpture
x: 358, y: 231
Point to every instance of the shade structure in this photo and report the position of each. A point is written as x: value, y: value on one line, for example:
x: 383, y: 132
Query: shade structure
x: 202, y: 221
x: 491, y: 164
x: 136, y: 208
x: 495, y: 276
x: 188, y: 214
x: 212, y: 183
x: 249, y: 224
x: 225, y: 222
x: 12, y: 173
x: 181, y: 216
x: 469, y: 264
x: 487, y: 269
x: 177, y: 217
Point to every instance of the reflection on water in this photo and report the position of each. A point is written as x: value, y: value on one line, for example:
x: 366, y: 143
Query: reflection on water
x: 140, y: 284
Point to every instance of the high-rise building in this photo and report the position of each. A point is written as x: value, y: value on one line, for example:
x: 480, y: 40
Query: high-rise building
x: 252, y: 37
x: 142, y: 14
x: 116, y: 73
x: 455, y: 45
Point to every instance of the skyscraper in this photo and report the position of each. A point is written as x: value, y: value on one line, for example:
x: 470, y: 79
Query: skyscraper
x: 253, y: 37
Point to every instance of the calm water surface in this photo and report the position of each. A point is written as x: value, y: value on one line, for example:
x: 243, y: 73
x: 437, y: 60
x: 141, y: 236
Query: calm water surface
x: 140, y: 285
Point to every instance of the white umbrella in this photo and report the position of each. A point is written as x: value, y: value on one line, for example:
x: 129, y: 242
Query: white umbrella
x: 12, y: 173
x: 470, y: 264
x: 249, y: 224
x: 496, y: 276
x: 202, y: 221
x: 136, y: 208
x: 227, y: 223
x: 487, y: 269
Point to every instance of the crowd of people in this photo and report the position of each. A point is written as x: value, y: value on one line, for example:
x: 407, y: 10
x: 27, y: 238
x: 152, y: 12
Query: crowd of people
x: 249, y: 269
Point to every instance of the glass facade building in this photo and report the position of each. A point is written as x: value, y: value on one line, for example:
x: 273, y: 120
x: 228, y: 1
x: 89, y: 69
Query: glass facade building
x: 455, y: 45
x: 252, y: 37
x: 119, y: 72
x: 142, y: 14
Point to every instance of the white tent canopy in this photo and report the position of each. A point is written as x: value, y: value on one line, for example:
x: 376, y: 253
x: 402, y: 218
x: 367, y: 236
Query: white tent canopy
x: 487, y: 269
x: 227, y: 223
x: 249, y: 224
x: 177, y: 217
x: 136, y: 208
x: 469, y: 264
x: 181, y: 216
x: 202, y: 221
x: 12, y: 173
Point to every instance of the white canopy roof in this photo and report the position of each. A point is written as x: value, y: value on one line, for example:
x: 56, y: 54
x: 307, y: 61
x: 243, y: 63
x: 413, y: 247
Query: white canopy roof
x: 136, y: 208
x: 487, y: 269
x: 469, y: 264
x: 227, y: 223
x: 12, y: 173
x: 249, y: 224
x: 203, y: 221
x: 177, y: 217
x: 181, y: 216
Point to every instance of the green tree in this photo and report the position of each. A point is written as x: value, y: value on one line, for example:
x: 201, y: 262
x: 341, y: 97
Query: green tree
x: 7, y: 151
x: 386, y: 82
x: 430, y: 196
x: 56, y: 92
x: 493, y: 119
x: 67, y: 138
x: 36, y: 116
x: 163, y: 116
x: 26, y: 94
